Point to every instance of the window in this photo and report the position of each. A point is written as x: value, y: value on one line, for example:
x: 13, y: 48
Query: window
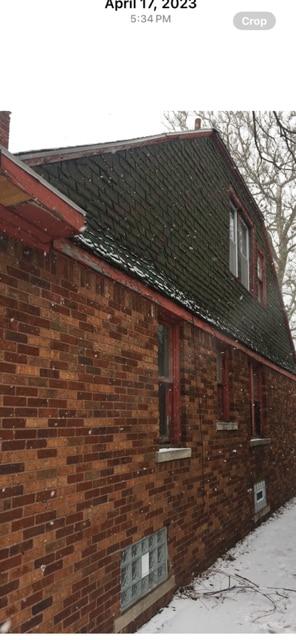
x: 256, y: 399
x: 239, y: 246
x: 260, y: 496
x: 168, y: 383
x: 143, y: 567
x: 261, y: 277
x: 223, y: 383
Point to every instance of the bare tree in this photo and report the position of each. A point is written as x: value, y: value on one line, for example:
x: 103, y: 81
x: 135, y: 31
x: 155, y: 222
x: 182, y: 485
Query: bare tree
x: 263, y: 146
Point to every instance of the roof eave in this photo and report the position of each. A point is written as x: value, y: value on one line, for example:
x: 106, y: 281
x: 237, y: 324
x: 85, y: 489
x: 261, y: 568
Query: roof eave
x: 30, y: 209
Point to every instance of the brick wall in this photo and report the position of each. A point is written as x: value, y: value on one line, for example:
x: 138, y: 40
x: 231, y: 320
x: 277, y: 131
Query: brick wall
x: 4, y: 128
x: 79, y: 432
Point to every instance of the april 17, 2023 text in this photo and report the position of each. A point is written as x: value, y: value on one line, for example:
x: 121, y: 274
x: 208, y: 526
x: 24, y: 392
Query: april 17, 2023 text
x: 116, y: 5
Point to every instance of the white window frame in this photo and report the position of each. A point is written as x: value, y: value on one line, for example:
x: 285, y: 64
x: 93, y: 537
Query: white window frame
x: 233, y: 261
x: 239, y: 260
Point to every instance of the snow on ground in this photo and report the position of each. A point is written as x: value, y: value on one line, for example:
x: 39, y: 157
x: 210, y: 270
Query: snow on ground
x: 251, y: 589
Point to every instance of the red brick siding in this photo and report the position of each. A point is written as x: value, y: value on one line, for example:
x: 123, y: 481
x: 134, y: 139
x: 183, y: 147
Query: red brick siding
x: 79, y: 432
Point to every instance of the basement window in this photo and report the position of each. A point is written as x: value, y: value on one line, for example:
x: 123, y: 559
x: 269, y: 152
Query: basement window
x: 143, y: 567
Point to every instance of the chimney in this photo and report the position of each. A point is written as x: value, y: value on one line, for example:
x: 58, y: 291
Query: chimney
x: 4, y: 128
x: 197, y: 123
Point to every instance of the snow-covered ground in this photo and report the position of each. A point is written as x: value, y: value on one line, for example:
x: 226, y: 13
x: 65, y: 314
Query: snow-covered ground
x: 252, y: 589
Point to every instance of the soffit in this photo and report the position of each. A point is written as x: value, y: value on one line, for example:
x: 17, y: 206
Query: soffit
x: 30, y: 209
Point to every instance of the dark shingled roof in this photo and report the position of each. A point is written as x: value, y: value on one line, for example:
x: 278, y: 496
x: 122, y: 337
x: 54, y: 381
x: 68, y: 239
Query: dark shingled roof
x: 158, y: 208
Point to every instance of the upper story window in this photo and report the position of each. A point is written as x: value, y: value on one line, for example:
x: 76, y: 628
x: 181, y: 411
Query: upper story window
x: 239, y: 245
x: 169, y: 383
x: 261, y: 277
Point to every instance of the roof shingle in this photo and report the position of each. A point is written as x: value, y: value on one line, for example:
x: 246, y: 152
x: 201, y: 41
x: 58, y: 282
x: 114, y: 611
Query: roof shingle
x: 160, y: 211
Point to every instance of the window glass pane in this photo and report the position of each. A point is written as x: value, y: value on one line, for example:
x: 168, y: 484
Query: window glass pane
x: 243, y: 254
x: 243, y: 271
x: 232, y: 240
x: 257, y: 418
x: 260, y: 278
x: 232, y: 258
x: 255, y: 382
x: 222, y: 385
x: 243, y: 238
x: 163, y: 351
x: 219, y: 368
x: 256, y: 400
x: 163, y: 409
x: 232, y: 233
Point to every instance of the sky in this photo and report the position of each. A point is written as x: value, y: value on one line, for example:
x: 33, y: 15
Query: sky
x: 250, y: 590
x: 81, y: 72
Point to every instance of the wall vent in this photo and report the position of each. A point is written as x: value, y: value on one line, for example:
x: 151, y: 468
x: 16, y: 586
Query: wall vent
x: 259, y: 496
